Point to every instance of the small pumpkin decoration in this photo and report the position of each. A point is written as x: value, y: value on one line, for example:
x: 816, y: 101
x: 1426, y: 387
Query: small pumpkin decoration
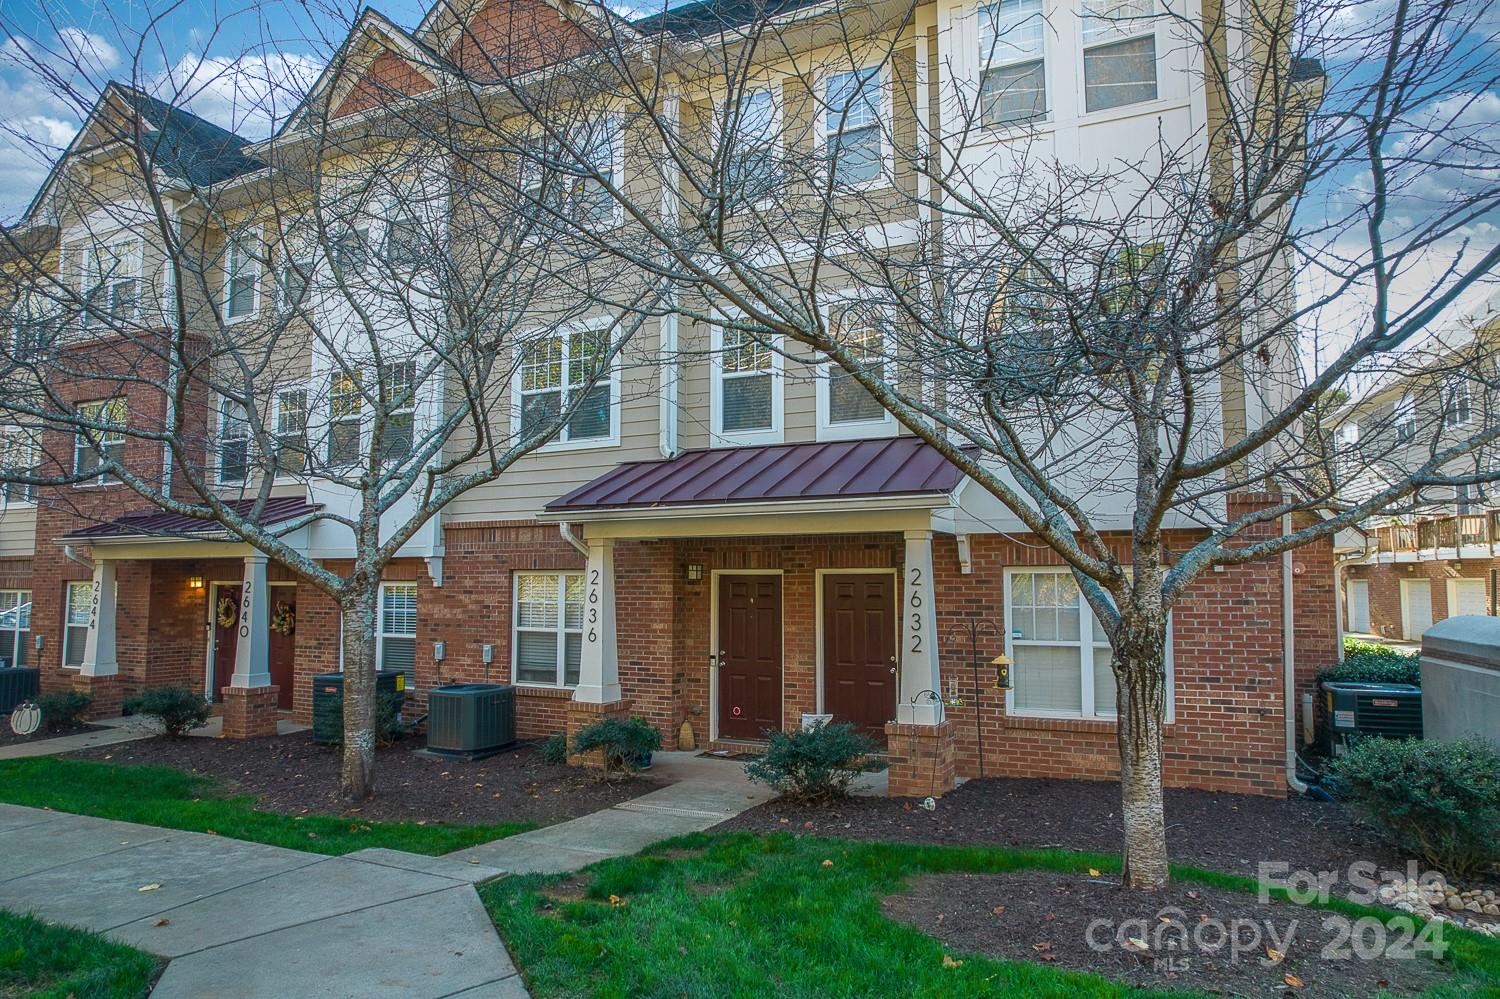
x: 228, y: 613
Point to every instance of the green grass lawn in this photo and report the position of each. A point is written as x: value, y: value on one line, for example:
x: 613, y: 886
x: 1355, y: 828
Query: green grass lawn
x: 745, y: 915
x: 163, y: 796
x: 42, y: 961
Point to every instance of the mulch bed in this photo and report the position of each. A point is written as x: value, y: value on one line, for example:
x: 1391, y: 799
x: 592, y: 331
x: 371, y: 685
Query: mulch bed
x: 1225, y: 832
x: 293, y: 775
x: 1088, y: 924
x: 9, y: 738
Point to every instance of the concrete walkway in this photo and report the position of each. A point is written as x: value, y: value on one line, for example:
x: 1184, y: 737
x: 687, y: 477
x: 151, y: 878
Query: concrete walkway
x: 706, y: 792
x: 244, y: 921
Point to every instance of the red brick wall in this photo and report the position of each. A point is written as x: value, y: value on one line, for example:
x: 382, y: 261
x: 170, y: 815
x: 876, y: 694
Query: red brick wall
x: 1385, y: 587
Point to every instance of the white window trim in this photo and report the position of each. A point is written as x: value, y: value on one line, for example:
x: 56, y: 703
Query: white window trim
x: 616, y: 216
x: 80, y: 445
x: 1451, y: 391
x: 588, y: 443
x: 562, y: 628
x: 1086, y: 660
x: 230, y: 254
x: 718, y: 437
x: 17, y: 630
x: 381, y: 634
x: 1404, y: 420
x: 778, y: 128
x: 219, y: 441
x: 275, y: 426
x: 987, y: 61
x: 25, y: 504
x: 884, y: 103
x: 330, y: 422
x: 1154, y: 31
x: 827, y: 430
x: 132, y: 261
x: 83, y: 586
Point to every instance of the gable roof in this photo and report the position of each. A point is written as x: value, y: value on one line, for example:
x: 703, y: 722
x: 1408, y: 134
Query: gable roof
x: 709, y: 17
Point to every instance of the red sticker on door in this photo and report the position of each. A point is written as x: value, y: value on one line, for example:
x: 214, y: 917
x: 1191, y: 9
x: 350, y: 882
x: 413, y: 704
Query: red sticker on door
x: 735, y: 710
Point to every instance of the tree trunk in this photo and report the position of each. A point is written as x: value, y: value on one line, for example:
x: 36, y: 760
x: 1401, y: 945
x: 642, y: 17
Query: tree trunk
x: 357, y: 782
x: 1140, y: 668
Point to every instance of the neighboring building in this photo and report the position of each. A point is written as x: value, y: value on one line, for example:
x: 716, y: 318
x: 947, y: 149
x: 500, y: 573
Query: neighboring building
x: 1437, y: 555
x: 732, y: 567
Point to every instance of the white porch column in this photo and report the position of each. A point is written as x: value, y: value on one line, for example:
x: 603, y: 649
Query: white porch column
x: 917, y: 704
x: 599, y: 670
x: 99, y: 648
x: 252, y: 660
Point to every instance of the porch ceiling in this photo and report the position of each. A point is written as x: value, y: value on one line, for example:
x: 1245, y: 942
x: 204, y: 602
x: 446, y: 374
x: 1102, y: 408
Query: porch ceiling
x: 896, y: 472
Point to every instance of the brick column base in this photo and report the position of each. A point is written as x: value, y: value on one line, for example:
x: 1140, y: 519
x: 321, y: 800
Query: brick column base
x: 107, y: 693
x: 582, y: 714
x: 249, y: 712
x: 921, y: 760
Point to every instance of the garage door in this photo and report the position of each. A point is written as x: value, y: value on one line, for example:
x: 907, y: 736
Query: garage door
x: 1358, y: 599
x: 1467, y: 596
x: 1416, y: 608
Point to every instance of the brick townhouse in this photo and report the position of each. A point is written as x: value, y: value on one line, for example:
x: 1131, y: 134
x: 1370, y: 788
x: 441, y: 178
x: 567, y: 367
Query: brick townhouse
x: 723, y: 572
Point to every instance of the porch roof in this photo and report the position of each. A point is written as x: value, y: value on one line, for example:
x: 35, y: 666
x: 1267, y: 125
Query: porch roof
x: 891, y: 467
x: 154, y: 523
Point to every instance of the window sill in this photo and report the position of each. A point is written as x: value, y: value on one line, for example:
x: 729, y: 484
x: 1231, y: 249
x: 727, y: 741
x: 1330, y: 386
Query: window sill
x: 236, y: 320
x: 525, y: 689
x: 758, y: 438
x: 96, y: 485
x: 1070, y: 723
x: 866, y: 429
x: 564, y: 447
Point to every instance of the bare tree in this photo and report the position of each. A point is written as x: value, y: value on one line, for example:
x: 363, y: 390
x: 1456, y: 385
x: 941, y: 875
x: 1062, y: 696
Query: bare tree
x: 337, y: 312
x: 1139, y: 330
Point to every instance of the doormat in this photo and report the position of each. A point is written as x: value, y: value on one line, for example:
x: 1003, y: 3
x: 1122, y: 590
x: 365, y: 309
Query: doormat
x: 727, y: 754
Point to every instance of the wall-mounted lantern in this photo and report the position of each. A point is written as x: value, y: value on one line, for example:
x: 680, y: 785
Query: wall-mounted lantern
x: 195, y: 582
x: 694, y: 572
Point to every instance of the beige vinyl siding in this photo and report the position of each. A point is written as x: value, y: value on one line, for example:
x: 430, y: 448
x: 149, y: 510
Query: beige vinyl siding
x: 17, y: 531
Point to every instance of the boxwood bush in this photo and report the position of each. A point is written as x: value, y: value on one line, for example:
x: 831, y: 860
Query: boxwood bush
x: 1371, y: 662
x: 626, y: 745
x: 179, y: 709
x: 815, y: 763
x: 63, y: 710
x: 1439, y: 800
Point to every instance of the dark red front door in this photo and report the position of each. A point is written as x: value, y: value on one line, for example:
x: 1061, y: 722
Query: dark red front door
x: 226, y: 612
x: 749, y: 656
x: 283, y: 642
x: 859, y: 650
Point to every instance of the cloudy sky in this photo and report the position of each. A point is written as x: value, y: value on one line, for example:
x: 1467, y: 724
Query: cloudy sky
x: 243, y: 63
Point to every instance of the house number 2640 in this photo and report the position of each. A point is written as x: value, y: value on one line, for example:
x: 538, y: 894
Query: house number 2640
x: 915, y: 586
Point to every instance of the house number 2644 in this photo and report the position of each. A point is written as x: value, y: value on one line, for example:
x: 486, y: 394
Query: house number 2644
x: 914, y: 585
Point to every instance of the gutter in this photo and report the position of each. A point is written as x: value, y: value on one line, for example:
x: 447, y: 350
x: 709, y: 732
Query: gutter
x: 1288, y: 663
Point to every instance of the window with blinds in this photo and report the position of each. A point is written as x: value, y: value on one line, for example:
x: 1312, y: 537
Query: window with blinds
x: 234, y: 441
x: 548, y: 628
x: 1061, y: 651
x: 745, y: 396
x: 15, y: 628
x: 78, y: 598
x: 398, y: 630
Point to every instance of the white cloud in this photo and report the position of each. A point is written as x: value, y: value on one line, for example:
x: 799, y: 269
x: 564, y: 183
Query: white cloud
x: 249, y: 95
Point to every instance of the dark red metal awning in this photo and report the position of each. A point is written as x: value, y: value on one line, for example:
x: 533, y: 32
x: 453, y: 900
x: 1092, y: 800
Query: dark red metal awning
x: 152, y: 522
x: 896, y: 466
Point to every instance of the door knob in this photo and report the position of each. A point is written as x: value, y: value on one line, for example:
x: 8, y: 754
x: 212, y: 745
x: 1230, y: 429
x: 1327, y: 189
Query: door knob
x: 893, y: 671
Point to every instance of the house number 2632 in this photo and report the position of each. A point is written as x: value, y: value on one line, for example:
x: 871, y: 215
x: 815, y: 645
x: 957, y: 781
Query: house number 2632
x: 914, y: 586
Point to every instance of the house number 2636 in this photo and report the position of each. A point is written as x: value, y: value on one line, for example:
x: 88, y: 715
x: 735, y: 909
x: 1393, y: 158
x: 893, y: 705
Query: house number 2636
x: 914, y: 585
x: 593, y: 635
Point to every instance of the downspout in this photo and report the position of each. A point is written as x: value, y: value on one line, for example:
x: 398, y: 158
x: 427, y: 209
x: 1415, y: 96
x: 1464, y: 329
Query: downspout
x: 566, y: 530
x: 1288, y: 663
x: 73, y: 556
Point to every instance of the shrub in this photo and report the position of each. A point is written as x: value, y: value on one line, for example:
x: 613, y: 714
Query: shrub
x: 1440, y: 800
x: 388, y: 724
x: 65, y: 710
x: 179, y: 709
x: 1371, y: 662
x: 555, y: 749
x: 625, y: 744
x: 814, y: 763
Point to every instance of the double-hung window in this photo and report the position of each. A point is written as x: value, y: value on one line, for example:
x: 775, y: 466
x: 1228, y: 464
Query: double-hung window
x: 296, y: 267
x: 234, y: 441
x: 19, y: 455
x: 746, y: 388
x: 405, y: 243
x: 111, y: 276
x: 548, y: 639
x: 1405, y: 419
x: 398, y: 392
x: 852, y: 126
x: 291, y: 430
x: 1119, y: 53
x: 78, y: 600
x: 1458, y: 403
x: 15, y: 627
x: 397, y: 638
x: 846, y: 409
x: 752, y: 171
x: 560, y: 371
x: 572, y: 182
x: 31, y: 334
x: 1346, y: 460
x: 1013, y: 77
x: 107, y: 417
x: 350, y: 252
x: 1061, y: 651
x: 346, y: 403
x: 241, y: 271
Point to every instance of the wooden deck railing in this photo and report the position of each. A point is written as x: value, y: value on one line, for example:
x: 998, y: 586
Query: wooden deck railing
x: 1439, y: 532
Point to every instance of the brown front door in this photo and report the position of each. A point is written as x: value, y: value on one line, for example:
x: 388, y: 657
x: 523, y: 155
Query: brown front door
x: 859, y: 650
x: 282, y: 646
x: 226, y: 608
x: 749, y: 656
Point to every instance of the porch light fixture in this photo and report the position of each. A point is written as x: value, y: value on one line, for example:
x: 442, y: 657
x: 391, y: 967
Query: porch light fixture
x: 695, y: 572
x: 195, y: 582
